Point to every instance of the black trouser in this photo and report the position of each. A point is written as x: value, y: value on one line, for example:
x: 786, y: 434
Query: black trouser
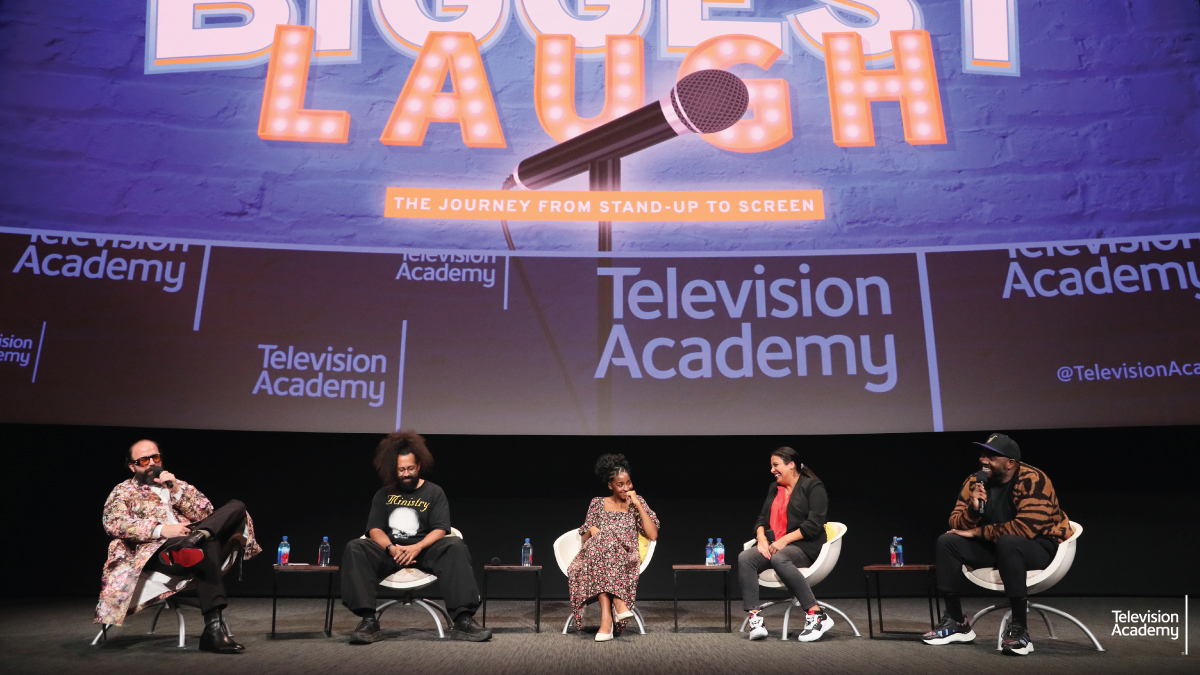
x: 365, y: 564
x: 223, y: 524
x: 1013, y: 556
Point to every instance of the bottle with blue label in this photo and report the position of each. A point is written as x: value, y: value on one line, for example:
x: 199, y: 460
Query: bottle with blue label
x: 285, y: 552
x: 527, y: 553
x: 710, y: 556
x: 719, y: 552
x: 323, y: 552
x: 897, y: 551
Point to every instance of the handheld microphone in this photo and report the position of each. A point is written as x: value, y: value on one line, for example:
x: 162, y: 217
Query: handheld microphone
x: 157, y: 470
x: 981, y: 476
x: 705, y: 102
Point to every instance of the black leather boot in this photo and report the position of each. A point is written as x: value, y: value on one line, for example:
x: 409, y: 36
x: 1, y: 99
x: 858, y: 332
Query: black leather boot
x: 214, y: 638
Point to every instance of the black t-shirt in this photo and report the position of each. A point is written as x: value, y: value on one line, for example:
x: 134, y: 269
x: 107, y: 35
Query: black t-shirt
x: 1000, y: 507
x: 407, y: 517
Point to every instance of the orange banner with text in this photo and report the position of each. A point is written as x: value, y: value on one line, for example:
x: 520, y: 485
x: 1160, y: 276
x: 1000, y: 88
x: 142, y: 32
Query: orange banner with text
x: 714, y: 205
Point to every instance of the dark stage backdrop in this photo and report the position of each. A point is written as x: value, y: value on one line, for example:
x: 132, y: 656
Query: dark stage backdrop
x: 1133, y: 490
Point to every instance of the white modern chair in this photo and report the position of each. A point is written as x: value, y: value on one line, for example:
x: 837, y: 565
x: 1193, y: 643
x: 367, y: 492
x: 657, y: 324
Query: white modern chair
x: 411, y: 580
x: 831, y: 550
x: 151, y: 585
x: 1037, y: 581
x: 567, y: 547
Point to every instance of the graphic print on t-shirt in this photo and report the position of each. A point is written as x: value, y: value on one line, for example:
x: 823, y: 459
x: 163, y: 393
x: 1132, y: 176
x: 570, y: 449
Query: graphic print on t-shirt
x: 404, y: 523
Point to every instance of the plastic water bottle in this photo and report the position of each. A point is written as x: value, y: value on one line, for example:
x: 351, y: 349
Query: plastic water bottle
x: 285, y: 551
x: 719, y: 550
x: 527, y: 553
x: 323, y: 552
x: 897, y: 551
x: 710, y: 557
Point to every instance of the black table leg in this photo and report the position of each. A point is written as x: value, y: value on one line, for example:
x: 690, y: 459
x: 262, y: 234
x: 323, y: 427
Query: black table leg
x: 537, y: 602
x: 274, y: 599
x: 929, y: 587
x: 485, y: 579
x: 675, y: 599
x: 728, y: 610
x: 870, y: 621
x: 879, y: 600
x: 329, y: 608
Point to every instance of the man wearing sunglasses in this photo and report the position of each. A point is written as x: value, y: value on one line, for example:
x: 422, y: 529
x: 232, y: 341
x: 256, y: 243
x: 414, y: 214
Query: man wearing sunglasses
x: 160, y: 523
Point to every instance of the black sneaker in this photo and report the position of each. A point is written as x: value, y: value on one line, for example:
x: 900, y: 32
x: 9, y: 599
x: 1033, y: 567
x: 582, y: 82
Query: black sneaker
x: 368, y: 631
x: 949, y: 630
x: 1016, y: 641
x: 467, y: 629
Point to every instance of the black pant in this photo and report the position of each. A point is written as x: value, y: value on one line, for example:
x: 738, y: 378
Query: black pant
x: 223, y: 524
x: 1013, y: 556
x: 365, y: 564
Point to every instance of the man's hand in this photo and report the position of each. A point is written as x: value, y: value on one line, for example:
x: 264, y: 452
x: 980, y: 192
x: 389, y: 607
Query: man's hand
x: 978, y: 496
x: 167, y: 477
x: 403, y: 555
x: 969, y: 534
x: 764, y: 549
x: 176, y: 530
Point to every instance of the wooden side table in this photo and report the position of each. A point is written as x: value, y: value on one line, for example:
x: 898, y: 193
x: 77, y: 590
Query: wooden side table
x: 725, y: 569
x: 537, y: 589
x: 931, y: 588
x: 331, y: 569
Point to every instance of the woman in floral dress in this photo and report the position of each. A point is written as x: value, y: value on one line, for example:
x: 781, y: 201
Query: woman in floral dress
x: 606, y: 567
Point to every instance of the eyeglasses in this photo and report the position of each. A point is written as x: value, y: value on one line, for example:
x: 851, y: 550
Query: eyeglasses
x: 145, y: 461
x: 408, y: 470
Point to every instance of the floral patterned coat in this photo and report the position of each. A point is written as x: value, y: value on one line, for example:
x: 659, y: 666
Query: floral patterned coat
x: 131, y: 513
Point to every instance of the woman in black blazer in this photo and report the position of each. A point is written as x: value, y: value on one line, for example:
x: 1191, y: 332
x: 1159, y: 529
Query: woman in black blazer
x: 790, y: 531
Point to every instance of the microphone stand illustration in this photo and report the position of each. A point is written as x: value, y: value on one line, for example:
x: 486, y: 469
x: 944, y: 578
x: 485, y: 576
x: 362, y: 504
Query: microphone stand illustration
x: 704, y: 102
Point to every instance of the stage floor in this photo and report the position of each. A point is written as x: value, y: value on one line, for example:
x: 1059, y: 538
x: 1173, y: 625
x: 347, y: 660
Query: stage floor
x: 54, y: 637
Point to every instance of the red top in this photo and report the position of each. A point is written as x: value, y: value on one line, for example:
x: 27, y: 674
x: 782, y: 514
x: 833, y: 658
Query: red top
x: 779, y: 513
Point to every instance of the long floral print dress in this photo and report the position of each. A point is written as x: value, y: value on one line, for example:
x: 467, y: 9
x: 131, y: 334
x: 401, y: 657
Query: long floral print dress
x: 609, y: 560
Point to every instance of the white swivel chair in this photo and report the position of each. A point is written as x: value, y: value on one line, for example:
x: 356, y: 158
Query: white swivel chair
x: 831, y: 550
x: 411, y: 580
x: 1037, y: 581
x: 567, y: 547
x: 151, y: 585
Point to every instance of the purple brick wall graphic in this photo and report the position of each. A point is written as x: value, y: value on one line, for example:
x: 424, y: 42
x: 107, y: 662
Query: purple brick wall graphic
x: 1096, y: 137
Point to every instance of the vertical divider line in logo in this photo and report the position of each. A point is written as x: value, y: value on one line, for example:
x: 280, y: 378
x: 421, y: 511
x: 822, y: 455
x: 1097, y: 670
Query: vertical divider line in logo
x: 200, y: 294
x: 1185, y: 625
x: 935, y: 386
x: 400, y: 376
x: 38, y: 359
x: 506, y: 259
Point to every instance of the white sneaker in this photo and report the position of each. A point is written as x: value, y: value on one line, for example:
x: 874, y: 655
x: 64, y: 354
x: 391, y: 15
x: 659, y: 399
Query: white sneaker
x: 815, y: 625
x: 757, y: 630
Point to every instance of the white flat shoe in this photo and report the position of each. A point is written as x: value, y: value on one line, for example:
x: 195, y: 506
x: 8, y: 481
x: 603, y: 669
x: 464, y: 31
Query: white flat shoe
x: 603, y: 637
x: 624, y: 615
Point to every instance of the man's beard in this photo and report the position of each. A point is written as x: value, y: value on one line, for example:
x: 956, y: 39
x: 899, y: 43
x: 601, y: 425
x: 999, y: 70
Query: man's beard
x: 144, y: 477
x: 408, y: 484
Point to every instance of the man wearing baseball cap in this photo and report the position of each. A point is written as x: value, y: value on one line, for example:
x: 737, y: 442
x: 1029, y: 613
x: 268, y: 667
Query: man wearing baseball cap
x: 1011, y: 520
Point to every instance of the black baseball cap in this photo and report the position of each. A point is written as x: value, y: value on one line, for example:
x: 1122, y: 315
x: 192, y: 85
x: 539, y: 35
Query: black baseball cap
x: 1002, y: 445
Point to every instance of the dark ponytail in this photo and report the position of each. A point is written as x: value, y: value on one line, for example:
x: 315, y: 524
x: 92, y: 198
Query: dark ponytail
x: 790, y: 456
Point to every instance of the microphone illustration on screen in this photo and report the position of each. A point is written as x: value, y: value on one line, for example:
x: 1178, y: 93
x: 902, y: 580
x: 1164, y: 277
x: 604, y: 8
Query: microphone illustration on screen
x: 704, y: 102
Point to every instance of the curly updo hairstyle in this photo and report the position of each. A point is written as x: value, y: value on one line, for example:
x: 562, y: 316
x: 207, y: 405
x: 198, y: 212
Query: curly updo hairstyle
x: 610, y: 465
x: 406, y: 442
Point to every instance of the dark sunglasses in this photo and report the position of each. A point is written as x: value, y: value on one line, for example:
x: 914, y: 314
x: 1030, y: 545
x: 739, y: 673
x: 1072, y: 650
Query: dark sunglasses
x: 145, y: 461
